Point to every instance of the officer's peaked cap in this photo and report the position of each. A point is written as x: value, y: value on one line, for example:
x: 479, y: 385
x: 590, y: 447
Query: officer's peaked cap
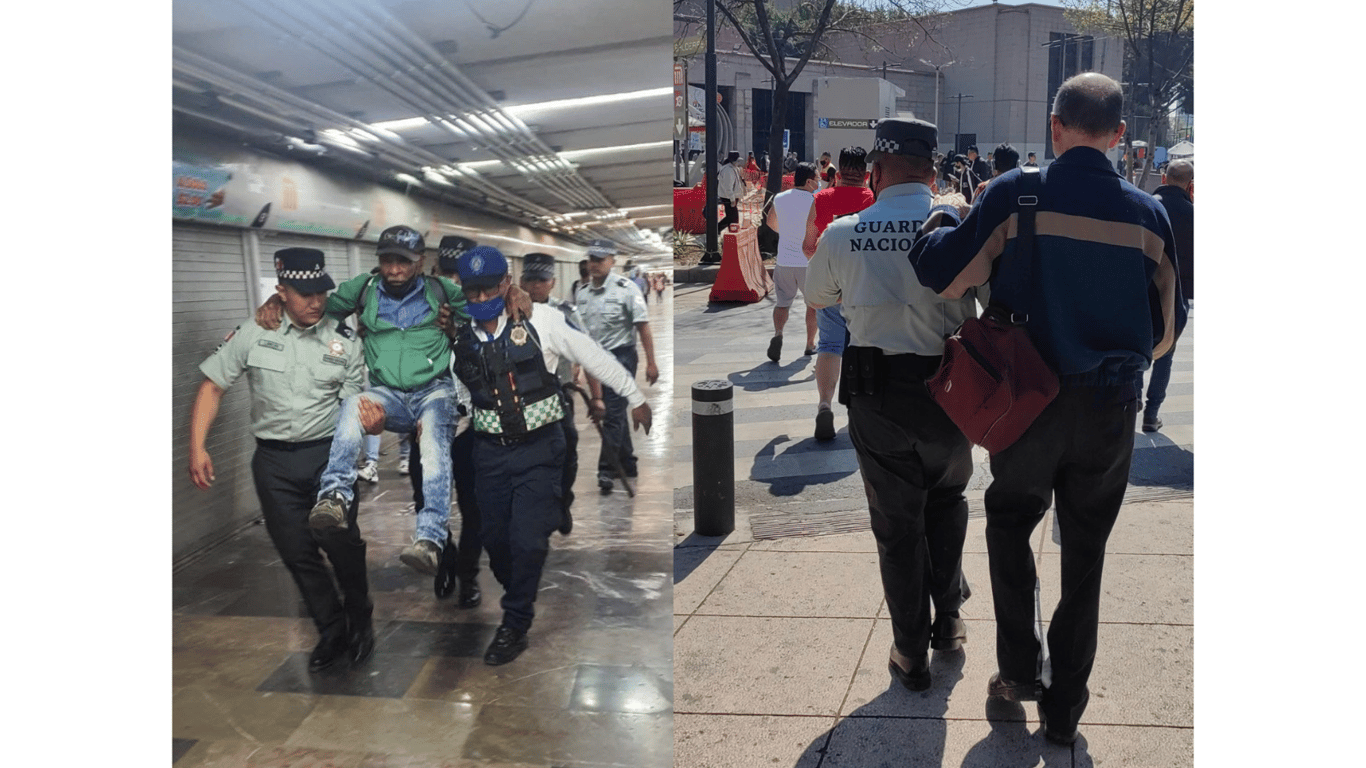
x: 911, y: 138
x: 482, y: 266
x: 302, y: 270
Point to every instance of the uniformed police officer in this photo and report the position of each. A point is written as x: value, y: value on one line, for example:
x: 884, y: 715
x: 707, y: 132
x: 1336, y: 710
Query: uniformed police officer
x: 519, y: 443
x: 915, y: 462
x: 459, y: 562
x: 615, y: 311
x: 538, y: 280
x: 299, y: 373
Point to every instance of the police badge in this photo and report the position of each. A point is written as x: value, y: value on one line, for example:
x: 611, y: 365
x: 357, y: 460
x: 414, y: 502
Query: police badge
x: 518, y: 335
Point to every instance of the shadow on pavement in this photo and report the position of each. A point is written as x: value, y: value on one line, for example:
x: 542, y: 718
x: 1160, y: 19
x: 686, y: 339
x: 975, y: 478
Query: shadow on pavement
x: 768, y: 375
x: 784, y: 481
x: 692, y: 552
x: 1163, y: 465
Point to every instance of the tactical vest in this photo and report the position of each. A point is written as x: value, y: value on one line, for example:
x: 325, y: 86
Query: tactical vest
x: 510, y: 389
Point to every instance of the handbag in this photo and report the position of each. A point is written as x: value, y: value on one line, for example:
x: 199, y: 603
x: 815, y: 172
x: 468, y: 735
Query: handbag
x: 992, y: 381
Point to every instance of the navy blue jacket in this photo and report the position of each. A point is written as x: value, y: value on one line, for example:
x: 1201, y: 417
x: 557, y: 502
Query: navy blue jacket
x: 1105, y: 299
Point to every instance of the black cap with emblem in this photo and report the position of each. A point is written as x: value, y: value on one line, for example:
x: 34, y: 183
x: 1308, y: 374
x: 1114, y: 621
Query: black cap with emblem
x: 401, y: 241
x: 912, y: 138
x: 302, y: 270
x: 448, y: 253
x: 538, y: 265
x: 601, y: 249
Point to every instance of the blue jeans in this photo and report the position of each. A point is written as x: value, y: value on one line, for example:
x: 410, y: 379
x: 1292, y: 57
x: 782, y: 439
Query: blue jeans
x: 372, y: 449
x: 431, y: 405
x: 833, y: 332
x: 1157, y: 384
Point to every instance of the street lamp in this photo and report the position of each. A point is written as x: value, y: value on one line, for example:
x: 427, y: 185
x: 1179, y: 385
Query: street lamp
x: 937, y: 69
x: 957, y: 128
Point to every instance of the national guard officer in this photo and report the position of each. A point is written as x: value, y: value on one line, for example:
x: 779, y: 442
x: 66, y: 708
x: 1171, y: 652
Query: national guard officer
x: 615, y: 311
x: 519, y: 443
x: 299, y: 374
x: 459, y: 562
x: 538, y: 280
x: 915, y: 462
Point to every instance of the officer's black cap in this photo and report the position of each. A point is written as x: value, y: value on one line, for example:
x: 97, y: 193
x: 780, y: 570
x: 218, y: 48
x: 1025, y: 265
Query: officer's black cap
x: 539, y: 265
x: 302, y: 270
x: 732, y: 156
x: 910, y: 138
x: 601, y: 249
x: 449, y: 251
x: 401, y: 241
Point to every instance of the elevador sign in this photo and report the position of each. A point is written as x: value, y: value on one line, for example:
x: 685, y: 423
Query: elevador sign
x: 847, y: 122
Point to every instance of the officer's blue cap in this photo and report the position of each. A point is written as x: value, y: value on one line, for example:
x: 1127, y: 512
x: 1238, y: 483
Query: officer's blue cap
x: 448, y: 253
x: 302, y: 270
x: 482, y: 266
x: 601, y: 249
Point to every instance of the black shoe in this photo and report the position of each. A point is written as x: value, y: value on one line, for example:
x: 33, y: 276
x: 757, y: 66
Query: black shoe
x: 362, y: 643
x: 917, y: 678
x: 470, y: 596
x: 948, y: 633
x: 329, y: 650
x: 809, y: 351
x: 631, y: 470
x: 605, y: 483
x: 1059, y: 737
x: 566, y: 522
x: 825, y: 424
x: 443, y: 584
x: 1002, y: 688
x: 507, y: 645
x: 775, y: 348
x: 1151, y: 425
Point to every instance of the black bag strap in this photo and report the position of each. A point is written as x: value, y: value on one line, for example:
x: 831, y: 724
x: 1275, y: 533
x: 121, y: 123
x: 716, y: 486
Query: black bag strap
x: 1031, y: 185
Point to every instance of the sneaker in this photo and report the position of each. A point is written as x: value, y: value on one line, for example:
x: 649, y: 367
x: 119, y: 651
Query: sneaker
x: 369, y: 473
x: 1151, y: 425
x: 328, y: 513
x: 422, y: 556
x: 403, y: 467
x: 775, y: 348
x: 825, y: 424
x: 605, y: 483
x: 507, y: 645
x: 809, y: 351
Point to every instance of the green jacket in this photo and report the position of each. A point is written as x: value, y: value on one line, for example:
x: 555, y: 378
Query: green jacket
x: 400, y: 358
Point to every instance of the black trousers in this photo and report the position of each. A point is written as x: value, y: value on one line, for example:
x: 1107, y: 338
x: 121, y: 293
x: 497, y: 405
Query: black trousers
x: 1078, y: 451
x: 463, y: 557
x: 287, y: 483
x: 732, y: 216
x: 519, y: 496
x: 915, y: 464
x: 616, y: 423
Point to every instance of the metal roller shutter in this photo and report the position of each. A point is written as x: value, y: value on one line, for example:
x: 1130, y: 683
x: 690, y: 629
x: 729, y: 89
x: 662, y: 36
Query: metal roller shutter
x: 209, y: 298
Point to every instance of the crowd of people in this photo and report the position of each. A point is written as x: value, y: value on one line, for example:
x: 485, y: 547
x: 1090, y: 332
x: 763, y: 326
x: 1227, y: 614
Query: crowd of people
x: 893, y: 261
x: 477, y: 371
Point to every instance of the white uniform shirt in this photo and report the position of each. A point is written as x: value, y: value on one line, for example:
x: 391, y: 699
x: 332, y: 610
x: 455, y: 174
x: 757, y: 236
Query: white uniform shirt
x: 559, y: 340
x: 612, y: 310
x: 861, y: 261
x: 792, y: 208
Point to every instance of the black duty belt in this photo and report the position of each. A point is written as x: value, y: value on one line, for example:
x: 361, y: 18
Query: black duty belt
x: 281, y: 445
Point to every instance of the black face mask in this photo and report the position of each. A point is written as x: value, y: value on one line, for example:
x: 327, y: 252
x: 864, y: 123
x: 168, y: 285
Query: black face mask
x: 399, y: 291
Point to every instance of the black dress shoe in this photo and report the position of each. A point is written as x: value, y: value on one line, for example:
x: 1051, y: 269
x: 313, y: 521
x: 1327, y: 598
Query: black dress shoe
x: 566, y: 522
x: 914, y: 675
x: 948, y: 633
x: 507, y: 645
x: 1010, y: 691
x: 444, y: 582
x: 470, y: 597
x: 605, y: 483
x: 329, y: 650
x: 362, y: 643
x: 1061, y: 738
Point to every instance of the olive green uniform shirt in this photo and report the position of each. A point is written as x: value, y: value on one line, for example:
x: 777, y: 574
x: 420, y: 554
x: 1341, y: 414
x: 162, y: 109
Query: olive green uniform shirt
x: 298, y: 376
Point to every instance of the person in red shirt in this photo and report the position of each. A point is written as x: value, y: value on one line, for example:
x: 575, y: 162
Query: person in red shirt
x: 849, y: 195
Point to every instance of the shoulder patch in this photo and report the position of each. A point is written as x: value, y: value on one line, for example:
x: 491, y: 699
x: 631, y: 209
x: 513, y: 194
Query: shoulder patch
x: 227, y: 338
x: 621, y: 282
x: 344, y: 331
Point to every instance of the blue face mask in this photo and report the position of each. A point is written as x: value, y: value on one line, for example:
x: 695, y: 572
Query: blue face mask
x: 485, y: 310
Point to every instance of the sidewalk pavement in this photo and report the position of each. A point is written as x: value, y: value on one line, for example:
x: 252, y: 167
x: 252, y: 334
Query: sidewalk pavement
x: 781, y: 632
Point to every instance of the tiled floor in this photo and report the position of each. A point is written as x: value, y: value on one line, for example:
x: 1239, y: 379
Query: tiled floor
x: 595, y: 688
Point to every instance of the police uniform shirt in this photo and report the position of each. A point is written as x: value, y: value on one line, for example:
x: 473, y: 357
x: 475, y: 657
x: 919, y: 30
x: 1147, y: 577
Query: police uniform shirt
x: 861, y: 260
x: 558, y: 341
x: 612, y: 311
x: 565, y: 370
x: 298, y: 376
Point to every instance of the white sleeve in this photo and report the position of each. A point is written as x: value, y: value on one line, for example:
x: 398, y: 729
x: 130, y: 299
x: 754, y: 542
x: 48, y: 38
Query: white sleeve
x: 557, y: 336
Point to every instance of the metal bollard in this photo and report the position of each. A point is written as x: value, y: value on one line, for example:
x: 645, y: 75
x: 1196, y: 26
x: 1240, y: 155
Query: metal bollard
x: 713, y: 457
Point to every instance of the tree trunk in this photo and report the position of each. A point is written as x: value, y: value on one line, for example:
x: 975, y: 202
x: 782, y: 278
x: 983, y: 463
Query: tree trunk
x: 774, y: 184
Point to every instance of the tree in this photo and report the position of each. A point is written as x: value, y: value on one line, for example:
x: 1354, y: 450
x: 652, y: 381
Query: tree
x: 1159, y: 57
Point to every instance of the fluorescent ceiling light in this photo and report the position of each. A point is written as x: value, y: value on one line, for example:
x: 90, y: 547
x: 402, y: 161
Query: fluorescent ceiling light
x: 647, y: 207
x: 587, y: 101
x: 400, y: 125
x: 575, y: 154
